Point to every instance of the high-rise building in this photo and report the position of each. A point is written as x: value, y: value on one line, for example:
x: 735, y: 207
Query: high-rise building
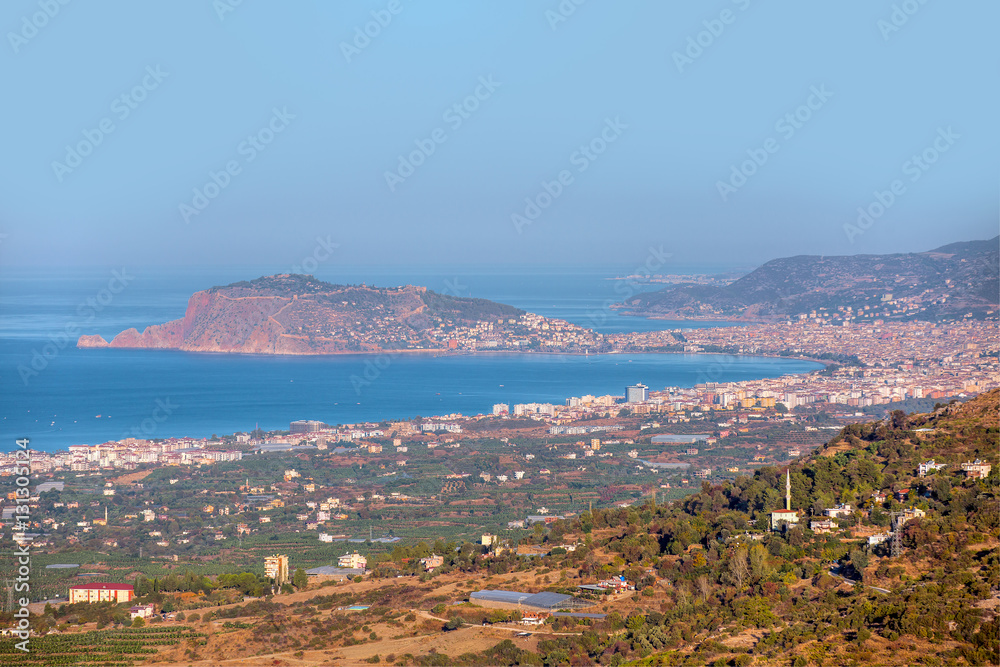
x: 276, y: 567
x: 306, y: 426
x: 636, y: 393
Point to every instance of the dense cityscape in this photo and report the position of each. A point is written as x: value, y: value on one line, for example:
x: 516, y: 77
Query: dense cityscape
x: 523, y: 334
x: 896, y: 362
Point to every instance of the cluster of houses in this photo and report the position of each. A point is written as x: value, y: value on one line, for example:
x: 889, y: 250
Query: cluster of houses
x: 828, y: 525
x: 782, y: 518
x: 616, y: 584
x: 976, y: 469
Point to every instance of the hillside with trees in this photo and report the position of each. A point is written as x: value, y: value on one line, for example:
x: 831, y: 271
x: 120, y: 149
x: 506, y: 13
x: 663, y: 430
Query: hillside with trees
x: 953, y: 281
x: 730, y: 592
x: 908, y: 574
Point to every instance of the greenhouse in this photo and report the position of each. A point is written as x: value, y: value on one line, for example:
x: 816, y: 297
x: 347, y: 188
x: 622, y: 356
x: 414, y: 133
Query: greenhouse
x: 514, y: 599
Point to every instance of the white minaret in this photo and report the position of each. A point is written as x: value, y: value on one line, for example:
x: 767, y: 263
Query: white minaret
x: 788, y: 491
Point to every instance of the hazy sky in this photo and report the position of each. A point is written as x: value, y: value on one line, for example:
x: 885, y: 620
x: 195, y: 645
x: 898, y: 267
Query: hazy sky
x: 632, y: 113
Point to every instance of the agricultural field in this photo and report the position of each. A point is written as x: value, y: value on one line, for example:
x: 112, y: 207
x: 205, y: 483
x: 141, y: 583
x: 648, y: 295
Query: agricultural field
x: 119, y: 648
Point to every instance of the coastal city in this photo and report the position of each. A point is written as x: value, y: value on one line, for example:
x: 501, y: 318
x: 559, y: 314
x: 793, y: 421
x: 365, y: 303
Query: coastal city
x: 893, y: 362
x: 539, y: 334
x: 482, y: 507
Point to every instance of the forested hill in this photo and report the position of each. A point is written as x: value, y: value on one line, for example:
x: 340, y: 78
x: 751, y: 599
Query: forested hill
x: 949, y: 282
x: 728, y: 590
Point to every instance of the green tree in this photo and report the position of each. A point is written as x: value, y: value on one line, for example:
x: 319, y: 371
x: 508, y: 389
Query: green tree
x: 859, y: 559
x: 635, y: 622
x: 300, y: 579
x: 759, y: 569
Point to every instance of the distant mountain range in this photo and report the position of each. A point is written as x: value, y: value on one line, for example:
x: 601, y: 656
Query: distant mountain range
x: 298, y: 314
x: 954, y: 281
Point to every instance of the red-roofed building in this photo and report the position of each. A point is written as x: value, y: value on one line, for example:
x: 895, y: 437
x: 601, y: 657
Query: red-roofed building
x: 97, y: 592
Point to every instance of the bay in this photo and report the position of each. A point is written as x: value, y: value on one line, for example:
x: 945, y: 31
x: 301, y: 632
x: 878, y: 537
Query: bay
x: 59, y: 395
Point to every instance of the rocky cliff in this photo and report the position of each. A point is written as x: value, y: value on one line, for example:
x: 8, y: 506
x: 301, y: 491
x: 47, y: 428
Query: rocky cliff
x: 293, y: 314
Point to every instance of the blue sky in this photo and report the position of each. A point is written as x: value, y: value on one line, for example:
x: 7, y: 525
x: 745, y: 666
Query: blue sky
x: 610, y: 118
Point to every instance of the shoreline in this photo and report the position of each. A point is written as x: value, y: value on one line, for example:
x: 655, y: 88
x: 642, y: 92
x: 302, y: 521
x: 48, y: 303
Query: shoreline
x: 684, y: 318
x: 460, y: 353
x: 384, y: 413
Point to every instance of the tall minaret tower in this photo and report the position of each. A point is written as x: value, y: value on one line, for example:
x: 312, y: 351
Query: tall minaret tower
x: 788, y: 491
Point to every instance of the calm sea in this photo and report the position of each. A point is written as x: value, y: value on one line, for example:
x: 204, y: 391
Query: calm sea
x: 89, y: 396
